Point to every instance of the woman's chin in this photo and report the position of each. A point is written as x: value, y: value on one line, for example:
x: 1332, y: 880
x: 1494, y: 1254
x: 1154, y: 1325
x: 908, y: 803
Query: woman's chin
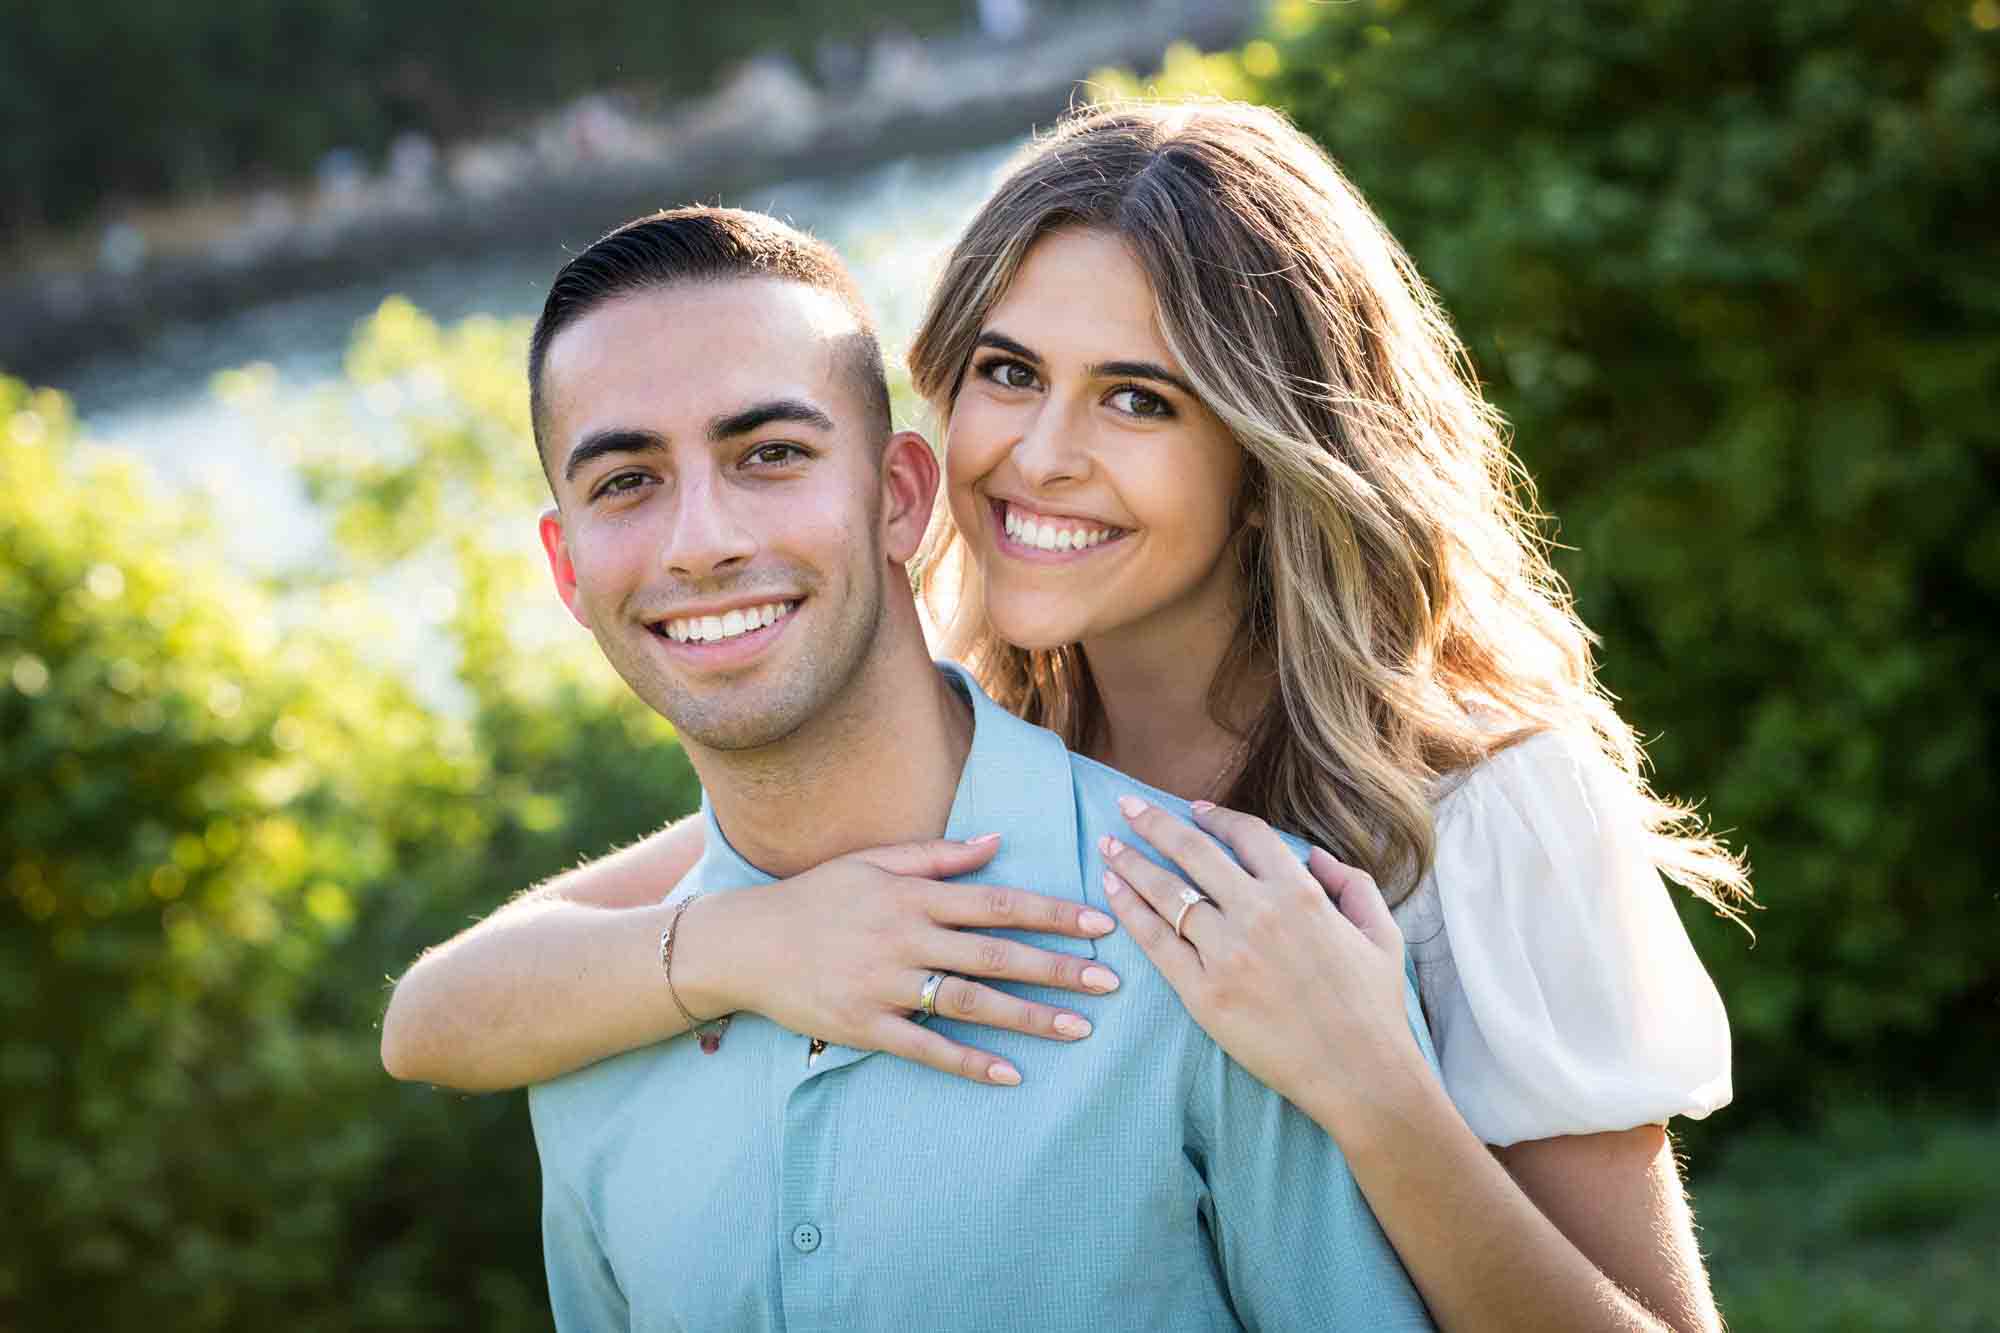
x: 1034, y: 628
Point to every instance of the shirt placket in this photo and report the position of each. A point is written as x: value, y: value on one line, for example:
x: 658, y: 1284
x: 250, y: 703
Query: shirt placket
x: 810, y: 1239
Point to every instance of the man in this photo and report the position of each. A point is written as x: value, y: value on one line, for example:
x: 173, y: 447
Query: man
x: 733, y: 516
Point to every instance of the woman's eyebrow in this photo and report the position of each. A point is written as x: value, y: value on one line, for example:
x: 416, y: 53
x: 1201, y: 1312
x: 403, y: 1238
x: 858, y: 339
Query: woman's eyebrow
x: 1000, y: 342
x: 1138, y: 370
x: 1142, y: 370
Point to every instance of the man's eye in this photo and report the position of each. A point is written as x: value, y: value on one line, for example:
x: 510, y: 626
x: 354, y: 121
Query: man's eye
x: 1139, y: 402
x: 621, y: 483
x: 776, y: 455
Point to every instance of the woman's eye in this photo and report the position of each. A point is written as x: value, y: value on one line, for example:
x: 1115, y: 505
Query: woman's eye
x: 1140, y: 403
x: 1009, y: 374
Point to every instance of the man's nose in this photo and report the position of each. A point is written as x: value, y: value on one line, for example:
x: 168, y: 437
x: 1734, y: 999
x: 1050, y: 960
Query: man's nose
x: 1051, y: 448
x: 710, y: 534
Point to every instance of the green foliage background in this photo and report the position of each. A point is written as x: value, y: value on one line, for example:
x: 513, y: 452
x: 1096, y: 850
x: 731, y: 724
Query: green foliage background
x: 1731, y: 273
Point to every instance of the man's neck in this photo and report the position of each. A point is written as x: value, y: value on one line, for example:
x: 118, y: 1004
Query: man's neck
x: 881, y: 764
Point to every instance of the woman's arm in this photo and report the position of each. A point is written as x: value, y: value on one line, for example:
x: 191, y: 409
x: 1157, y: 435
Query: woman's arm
x: 1583, y: 1232
x: 569, y: 973
x: 554, y: 980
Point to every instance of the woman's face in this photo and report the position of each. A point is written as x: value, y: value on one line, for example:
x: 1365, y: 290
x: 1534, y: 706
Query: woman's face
x: 1094, y: 491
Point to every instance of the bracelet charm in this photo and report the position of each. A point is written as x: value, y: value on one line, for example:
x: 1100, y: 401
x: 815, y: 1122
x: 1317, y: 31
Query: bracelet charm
x: 710, y: 1034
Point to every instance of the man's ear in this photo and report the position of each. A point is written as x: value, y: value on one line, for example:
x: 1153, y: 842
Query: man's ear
x: 557, y: 548
x: 909, y: 491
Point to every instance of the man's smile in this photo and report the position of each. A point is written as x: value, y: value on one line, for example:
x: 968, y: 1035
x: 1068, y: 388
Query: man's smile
x: 717, y: 626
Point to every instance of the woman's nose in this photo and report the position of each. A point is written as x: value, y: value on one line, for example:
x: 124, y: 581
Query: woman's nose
x: 1050, y: 449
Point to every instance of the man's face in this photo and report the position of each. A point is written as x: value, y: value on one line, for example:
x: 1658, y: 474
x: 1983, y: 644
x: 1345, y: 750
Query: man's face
x: 719, y: 522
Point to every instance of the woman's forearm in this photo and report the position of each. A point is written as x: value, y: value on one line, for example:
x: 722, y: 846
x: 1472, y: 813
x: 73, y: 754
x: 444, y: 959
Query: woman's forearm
x: 539, y: 988
x: 1481, y: 1251
x: 545, y: 986
x: 565, y: 975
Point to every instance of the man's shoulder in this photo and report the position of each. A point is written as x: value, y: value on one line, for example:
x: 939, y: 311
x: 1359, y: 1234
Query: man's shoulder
x: 1104, y: 785
x: 1099, y: 788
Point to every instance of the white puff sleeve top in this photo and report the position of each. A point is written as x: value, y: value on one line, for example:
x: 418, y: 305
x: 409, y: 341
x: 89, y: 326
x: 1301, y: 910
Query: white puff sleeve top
x: 1563, y: 994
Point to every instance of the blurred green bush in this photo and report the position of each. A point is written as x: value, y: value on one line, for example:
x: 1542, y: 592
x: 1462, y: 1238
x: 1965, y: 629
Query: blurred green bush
x: 1731, y: 273
x: 225, y: 821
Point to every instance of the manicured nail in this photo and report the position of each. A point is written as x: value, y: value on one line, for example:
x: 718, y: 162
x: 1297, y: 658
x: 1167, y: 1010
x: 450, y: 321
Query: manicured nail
x: 1069, y: 1025
x: 1131, y: 807
x: 1004, y: 1074
x: 1096, y: 922
x: 1113, y: 886
x: 982, y: 840
x: 1108, y: 846
x: 1202, y: 807
x: 1099, y: 979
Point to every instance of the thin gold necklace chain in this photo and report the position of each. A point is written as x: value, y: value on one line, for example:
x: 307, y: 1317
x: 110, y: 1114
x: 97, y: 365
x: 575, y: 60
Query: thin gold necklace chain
x: 1214, y: 791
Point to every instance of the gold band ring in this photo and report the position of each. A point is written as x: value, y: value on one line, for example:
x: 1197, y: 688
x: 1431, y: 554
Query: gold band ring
x: 927, y: 1000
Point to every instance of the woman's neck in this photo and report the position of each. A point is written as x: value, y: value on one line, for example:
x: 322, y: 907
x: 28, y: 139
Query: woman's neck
x: 1158, y: 696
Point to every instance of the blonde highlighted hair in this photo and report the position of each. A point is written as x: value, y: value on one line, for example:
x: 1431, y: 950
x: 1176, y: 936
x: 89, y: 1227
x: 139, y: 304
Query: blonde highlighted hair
x: 1399, y: 582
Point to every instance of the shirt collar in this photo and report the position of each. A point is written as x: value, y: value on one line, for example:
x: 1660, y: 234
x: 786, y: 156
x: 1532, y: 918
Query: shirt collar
x: 1016, y: 777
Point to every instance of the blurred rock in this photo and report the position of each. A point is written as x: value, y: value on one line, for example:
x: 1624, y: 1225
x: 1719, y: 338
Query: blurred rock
x: 1004, y: 19
x: 413, y: 161
x: 340, y: 174
x: 122, y: 250
x: 767, y: 102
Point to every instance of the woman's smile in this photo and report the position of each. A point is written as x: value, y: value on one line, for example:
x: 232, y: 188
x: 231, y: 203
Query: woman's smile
x: 1026, y: 533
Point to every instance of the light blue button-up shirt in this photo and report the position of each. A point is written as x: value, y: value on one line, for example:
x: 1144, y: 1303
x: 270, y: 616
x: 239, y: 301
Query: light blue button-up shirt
x: 1139, y: 1179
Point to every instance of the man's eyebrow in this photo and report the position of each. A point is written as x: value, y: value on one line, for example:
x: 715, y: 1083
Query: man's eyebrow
x: 759, y: 415
x: 615, y: 441
x: 1136, y: 370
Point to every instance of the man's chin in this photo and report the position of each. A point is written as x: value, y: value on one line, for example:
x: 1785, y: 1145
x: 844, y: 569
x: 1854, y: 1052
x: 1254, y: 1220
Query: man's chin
x: 733, y: 721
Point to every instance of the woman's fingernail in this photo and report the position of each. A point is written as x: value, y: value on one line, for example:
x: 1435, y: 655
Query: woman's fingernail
x: 1109, y: 846
x: 1096, y: 922
x: 1003, y: 1073
x: 1113, y: 886
x: 1202, y: 807
x: 1099, y: 979
x: 1069, y: 1025
x: 1131, y: 807
x: 982, y: 840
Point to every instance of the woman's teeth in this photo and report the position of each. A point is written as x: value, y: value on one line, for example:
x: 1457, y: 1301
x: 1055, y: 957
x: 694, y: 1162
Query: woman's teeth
x: 1046, y: 536
x: 714, y: 629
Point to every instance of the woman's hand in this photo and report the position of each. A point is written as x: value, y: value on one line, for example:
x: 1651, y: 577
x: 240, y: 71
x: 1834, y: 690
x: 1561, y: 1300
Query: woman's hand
x: 842, y: 952
x: 1295, y: 970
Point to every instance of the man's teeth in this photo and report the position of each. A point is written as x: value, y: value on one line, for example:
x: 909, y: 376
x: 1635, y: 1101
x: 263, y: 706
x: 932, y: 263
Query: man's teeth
x: 1047, y: 536
x: 714, y: 629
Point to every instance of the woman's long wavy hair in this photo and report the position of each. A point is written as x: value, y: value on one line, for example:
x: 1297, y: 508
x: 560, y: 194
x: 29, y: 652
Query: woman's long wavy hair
x: 1398, y: 577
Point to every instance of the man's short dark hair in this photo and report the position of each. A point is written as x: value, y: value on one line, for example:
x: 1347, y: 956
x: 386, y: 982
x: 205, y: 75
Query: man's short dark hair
x: 681, y: 245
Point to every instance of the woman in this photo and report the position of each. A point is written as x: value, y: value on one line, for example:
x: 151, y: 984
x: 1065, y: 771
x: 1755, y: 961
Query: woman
x: 1227, y: 513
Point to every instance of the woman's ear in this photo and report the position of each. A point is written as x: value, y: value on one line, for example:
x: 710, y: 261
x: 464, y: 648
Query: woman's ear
x: 910, y: 478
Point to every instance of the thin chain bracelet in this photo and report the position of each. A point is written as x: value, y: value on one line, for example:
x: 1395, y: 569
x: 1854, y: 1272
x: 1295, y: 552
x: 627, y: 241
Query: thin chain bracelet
x: 710, y: 1041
